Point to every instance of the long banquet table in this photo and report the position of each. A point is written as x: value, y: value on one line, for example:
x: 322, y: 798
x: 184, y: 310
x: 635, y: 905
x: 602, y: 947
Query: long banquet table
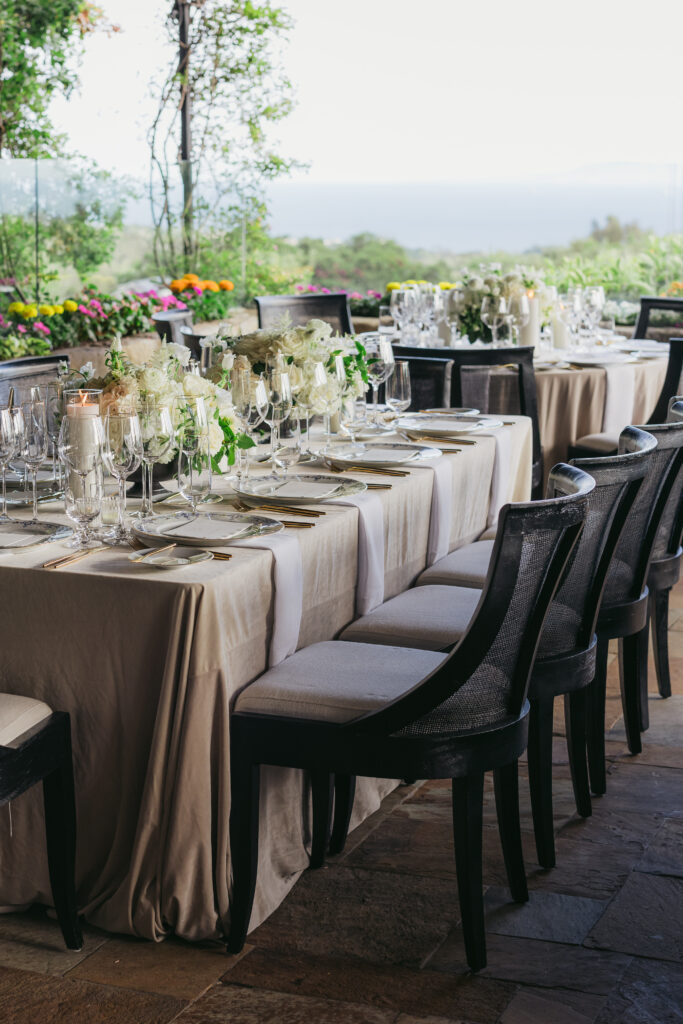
x: 147, y: 664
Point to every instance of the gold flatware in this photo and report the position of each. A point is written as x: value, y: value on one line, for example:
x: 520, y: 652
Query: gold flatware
x: 154, y: 551
x: 308, y: 513
x: 366, y: 469
x: 377, y: 487
x: 296, y: 525
x: 76, y: 556
x: 221, y: 556
x: 437, y: 440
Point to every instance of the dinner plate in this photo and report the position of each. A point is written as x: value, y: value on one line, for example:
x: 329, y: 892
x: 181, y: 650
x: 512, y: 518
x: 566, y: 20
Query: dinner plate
x: 267, y: 490
x: 15, y: 534
x: 214, y: 528
x: 447, y: 426
x: 381, y: 455
x: 600, y: 359
x: 175, y: 559
x: 643, y: 345
x: 464, y: 410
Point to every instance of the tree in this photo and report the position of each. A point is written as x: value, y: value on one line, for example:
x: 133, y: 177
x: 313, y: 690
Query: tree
x: 230, y: 81
x: 40, y: 42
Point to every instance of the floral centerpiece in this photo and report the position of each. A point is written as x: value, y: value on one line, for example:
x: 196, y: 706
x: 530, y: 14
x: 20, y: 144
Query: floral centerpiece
x: 166, y: 379
x: 473, y: 288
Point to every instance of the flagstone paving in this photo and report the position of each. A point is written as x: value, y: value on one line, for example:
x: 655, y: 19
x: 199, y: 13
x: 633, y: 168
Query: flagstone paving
x: 374, y: 937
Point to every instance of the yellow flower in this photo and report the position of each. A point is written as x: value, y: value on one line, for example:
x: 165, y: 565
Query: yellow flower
x: 29, y: 311
x: 411, y: 281
x: 393, y: 286
x: 58, y: 309
x: 15, y: 307
x: 445, y: 286
x: 423, y: 282
x: 70, y: 306
x: 45, y: 310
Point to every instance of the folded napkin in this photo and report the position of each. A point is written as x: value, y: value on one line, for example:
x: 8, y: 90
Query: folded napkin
x: 16, y: 539
x: 385, y: 455
x: 311, y: 490
x: 620, y: 396
x: 500, y: 478
x: 288, y: 592
x: 203, y: 528
x: 370, y: 587
x: 441, y: 512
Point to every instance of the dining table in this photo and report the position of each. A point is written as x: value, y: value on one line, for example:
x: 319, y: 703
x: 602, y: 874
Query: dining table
x: 148, y: 664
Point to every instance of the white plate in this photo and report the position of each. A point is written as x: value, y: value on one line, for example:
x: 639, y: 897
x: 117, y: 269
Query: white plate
x: 446, y: 426
x: 381, y: 455
x: 15, y: 534
x: 600, y: 359
x: 214, y: 528
x: 260, y: 496
x: 463, y: 410
x: 175, y: 559
x: 643, y: 345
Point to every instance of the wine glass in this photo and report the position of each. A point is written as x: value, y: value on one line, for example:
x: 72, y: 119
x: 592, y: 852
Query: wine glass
x: 34, y: 447
x: 241, y: 394
x: 79, y: 445
x: 332, y: 395
x: 570, y: 307
x: 519, y: 313
x: 380, y: 368
x: 494, y: 311
x: 398, y: 387
x: 194, y: 455
x: 309, y: 398
x: 54, y: 410
x: 403, y: 305
x: 593, y: 305
x: 122, y: 453
x: 8, y: 449
x: 454, y: 303
x: 288, y: 454
x: 354, y: 417
x: 279, y: 405
x: 156, y: 428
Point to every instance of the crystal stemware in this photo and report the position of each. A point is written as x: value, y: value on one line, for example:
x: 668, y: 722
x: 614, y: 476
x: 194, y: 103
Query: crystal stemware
x: 279, y: 404
x: 156, y: 429
x: 241, y: 394
x: 519, y: 312
x: 194, y: 455
x: 380, y: 368
x: 80, y: 446
x: 332, y: 395
x: 122, y: 455
x: 398, y: 395
x: 54, y: 410
x: 34, y: 447
x: 494, y: 313
x: 8, y: 449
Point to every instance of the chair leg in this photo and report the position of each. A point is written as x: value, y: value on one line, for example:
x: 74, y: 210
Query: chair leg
x: 631, y: 677
x: 659, y: 616
x: 60, y: 830
x: 322, y: 789
x: 575, y: 714
x: 468, y: 796
x: 506, y: 785
x: 540, y: 757
x: 244, y: 822
x: 344, y: 793
x: 596, y: 720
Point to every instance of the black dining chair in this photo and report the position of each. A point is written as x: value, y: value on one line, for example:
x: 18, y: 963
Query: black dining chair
x: 168, y: 324
x: 665, y: 568
x: 430, y: 382
x: 35, y: 746
x: 342, y: 709
x: 565, y: 663
x: 333, y: 309
x: 590, y: 445
x: 470, y: 386
x: 661, y: 303
x: 33, y: 371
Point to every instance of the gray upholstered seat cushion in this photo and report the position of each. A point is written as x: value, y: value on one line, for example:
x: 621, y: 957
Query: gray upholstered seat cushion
x: 430, y: 618
x: 18, y: 715
x: 335, y: 682
x: 605, y: 443
x: 466, y: 567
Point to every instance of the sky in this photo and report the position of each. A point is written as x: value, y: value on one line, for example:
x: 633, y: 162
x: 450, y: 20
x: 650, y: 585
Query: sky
x: 437, y: 91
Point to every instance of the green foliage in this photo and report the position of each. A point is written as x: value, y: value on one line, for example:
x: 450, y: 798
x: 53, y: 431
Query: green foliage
x: 16, y: 346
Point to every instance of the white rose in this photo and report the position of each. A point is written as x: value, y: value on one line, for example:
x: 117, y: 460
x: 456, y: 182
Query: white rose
x: 215, y: 437
x: 228, y: 360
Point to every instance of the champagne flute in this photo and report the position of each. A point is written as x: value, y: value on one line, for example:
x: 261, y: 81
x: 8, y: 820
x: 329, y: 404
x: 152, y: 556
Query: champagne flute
x: 122, y: 454
x: 79, y: 446
x: 494, y: 311
x: 156, y: 428
x: 398, y: 387
x: 34, y: 448
x: 8, y: 449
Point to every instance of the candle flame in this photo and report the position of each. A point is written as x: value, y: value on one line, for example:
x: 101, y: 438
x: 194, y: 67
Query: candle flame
x: 83, y: 398
x: 530, y: 293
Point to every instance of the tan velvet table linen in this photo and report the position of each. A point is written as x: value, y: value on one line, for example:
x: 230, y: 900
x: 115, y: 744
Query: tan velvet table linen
x: 147, y: 663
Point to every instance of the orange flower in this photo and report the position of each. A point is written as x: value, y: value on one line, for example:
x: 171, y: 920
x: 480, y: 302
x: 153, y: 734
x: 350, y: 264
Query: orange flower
x: 208, y: 286
x: 226, y: 286
x: 192, y: 278
x: 179, y: 284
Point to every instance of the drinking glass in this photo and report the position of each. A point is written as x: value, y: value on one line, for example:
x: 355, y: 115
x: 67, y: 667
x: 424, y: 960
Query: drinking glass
x: 194, y: 456
x: 454, y: 303
x: 288, y: 453
x: 241, y: 394
x: 494, y: 310
x: 122, y: 453
x: 519, y: 313
x: 403, y: 305
x: 386, y: 324
x: 8, y: 449
x: 279, y: 405
x: 34, y: 447
x: 80, y: 445
x: 398, y: 387
x: 380, y: 368
x: 54, y: 410
x: 354, y: 417
x: 309, y: 398
x: 570, y: 306
x: 156, y: 429
x: 332, y: 396
x: 593, y: 305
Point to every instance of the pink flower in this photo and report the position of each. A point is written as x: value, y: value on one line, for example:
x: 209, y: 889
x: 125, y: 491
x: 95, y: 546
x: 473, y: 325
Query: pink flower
x: 180, y: 305
x: 325, y: 291
x: 355, y: 295
x: 312, y: 288
x: 83, y: 309
x: 38, y: 326
x: 21, y: 329
x: 373, y: 294
x: 96, y: 305
x: 196, y: 289
x: 3, y: 322
x: 298, y: 288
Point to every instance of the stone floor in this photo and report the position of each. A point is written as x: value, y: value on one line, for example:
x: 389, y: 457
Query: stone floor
x: 373, y: 938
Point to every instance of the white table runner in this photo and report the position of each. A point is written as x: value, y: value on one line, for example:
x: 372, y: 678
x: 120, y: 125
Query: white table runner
x: 502, y: 467
x: 441, y: 511
x: 288, y: 592
x: 370, y: 586
x: 620, y: 395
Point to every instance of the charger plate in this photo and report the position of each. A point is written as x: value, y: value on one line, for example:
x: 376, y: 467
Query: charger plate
x: 212, y: 528
x: 266, y: 490
x: 15, y: 534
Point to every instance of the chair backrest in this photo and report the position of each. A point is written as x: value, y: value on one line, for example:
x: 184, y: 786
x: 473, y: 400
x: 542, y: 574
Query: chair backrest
x: 627, y: 573
x: 333, y: 309
x: 670, y: 530
x: 672, y: 381
x: 192, y: 340
x: 169, y: 323
x: 650, y: 302
x: 30, y: 372
x: 430, y: 382
x: 570, y: 623
x: 492, y: 663
x: 472, y: 367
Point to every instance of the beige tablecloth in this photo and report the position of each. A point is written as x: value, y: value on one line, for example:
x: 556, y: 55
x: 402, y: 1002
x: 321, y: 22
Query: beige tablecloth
x: 148, y: 663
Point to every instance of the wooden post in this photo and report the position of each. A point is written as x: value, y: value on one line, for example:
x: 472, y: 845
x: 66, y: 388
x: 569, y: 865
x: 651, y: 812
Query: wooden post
x: 181, y: 12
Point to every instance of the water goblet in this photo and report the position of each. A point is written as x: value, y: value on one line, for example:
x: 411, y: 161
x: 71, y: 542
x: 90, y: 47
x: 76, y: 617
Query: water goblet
x: 194, y: 455
x: 380, y: 368
x: 519, y: 312
x: 289, y: 452
x: 156, y: 428
x: 122, y: 455
x: 241, y: 394
x: 79, y: 447
x: 494, y: 311
x: 83, y: 497
x: 9, y: 444
x: 34, y: 447
x: 54, y: 410
x: 279, y: 404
